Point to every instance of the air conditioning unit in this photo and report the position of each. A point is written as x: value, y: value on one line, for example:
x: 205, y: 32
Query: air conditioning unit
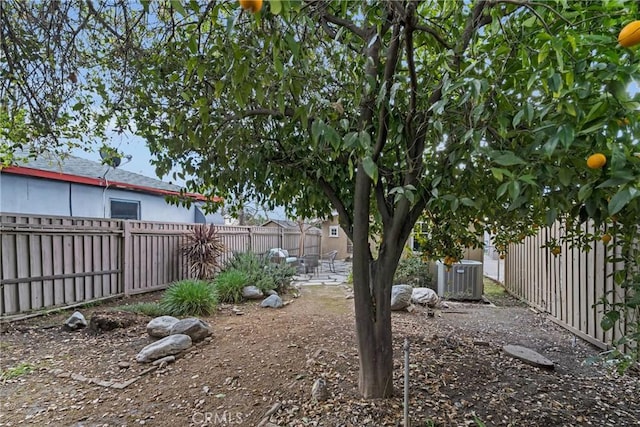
x: 461, y: 281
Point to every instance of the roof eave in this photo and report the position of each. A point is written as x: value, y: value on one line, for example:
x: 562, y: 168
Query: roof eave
x: 101, y: 182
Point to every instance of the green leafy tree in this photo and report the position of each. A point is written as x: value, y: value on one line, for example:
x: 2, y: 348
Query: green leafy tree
x: 476, y: 112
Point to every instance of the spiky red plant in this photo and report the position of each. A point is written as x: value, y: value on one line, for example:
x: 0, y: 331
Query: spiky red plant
x: 203, y: 248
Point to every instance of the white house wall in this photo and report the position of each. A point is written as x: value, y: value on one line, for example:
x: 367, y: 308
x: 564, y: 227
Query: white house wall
x: 28, y: 195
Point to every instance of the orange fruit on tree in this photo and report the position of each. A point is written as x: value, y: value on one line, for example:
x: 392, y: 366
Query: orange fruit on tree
x: 596, y: 161
x: 556, y: 250
x: 251, y: 5
x: 630, y: 34
x: 606, y: 238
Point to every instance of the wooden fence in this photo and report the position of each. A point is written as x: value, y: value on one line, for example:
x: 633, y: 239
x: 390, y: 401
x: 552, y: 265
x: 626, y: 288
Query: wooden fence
x: 51, y: 262
x: 567, y: 286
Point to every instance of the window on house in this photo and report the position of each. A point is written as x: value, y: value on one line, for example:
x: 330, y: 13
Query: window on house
x: 125, y: 209
x: 333, y: 231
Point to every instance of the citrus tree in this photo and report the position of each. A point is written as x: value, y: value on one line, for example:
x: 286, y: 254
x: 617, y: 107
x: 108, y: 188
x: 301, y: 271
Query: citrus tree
x: 478, y: 112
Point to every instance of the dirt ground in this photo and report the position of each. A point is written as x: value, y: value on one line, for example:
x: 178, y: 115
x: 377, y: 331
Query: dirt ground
x: 268, y: 359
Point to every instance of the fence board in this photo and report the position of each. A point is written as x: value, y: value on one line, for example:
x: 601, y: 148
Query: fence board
x: 9, y: 269
x: 97, y: 266
x: 47, y: 270
x: 35, y: 255
x: 58, y: 284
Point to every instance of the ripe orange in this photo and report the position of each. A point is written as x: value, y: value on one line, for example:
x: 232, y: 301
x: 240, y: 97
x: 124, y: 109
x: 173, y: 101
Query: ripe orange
x: 606, y: 239
x: 630, y: 34
x: 251, y: 5
x: 596, y: 161
x: 449, y: 260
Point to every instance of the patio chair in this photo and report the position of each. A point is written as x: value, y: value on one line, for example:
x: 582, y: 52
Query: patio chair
x: 329, y: 258
x: 310, y: 263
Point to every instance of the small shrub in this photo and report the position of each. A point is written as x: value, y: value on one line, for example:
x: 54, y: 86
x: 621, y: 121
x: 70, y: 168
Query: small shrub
x: 413, y: 271
x: 189, y: 298
x: 276, y: 277
x: 152, y: 309
x: 229, y: 284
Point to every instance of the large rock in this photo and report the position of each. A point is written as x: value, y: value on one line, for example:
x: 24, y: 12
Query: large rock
x: 194, y: 327
x: 273, y: 301
x: 252, y: 292
x: 167, y: 346
x: 160, y: 327
x: 425, y: 296
x: 401, y: 297
x: 75, y: 321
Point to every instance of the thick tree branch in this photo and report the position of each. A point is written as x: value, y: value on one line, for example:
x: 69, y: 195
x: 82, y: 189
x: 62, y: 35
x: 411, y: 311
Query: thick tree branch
x: 345, y: 23
x: 435, y: 35
x: 346, y: 221
x: 393, y: 53
x: 383, y: 207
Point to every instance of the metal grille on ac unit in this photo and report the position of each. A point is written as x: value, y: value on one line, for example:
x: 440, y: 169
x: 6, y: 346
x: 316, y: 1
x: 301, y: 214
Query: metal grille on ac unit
x: 462, y: 281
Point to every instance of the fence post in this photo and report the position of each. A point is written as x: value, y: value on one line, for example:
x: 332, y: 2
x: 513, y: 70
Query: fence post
x: 125, y: 264
x: 281, y: 236
x: 250, y: 243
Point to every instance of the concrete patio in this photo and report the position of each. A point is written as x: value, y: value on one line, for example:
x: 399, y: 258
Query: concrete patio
x: 323, y: 276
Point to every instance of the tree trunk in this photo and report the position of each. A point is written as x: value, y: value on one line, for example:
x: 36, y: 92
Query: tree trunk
x: 372, y: 280
x: 373, y: 328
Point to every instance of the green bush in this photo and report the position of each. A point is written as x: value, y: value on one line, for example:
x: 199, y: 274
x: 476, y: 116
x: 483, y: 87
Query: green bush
x: 257, y: 271
x: 249, y: 263
x: 276, y: 277
x: 189, y: 298
x: 229, y: 284
x: 413, y: 271
x: 152, y: 309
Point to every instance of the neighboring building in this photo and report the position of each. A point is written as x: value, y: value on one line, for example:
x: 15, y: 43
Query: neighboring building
x: 335, y: 239
x: 282, y: 223
x: 81, y: 188
x: 307, y: 243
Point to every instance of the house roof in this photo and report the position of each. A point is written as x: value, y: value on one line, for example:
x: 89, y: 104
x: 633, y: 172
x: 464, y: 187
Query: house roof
x: 82, y: 171
x: 291, y: 224
x: 282, y: 223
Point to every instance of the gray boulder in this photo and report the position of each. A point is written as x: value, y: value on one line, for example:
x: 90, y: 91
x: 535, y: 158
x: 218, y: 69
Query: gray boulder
x: 75, y: 321
x: 273, y: 301
x: 252, y: 292
x: 401, y: 297
x: 160, y: 327
x: 319, y: 391
x: 425, y: 296
x: 271, y: 292
x: 167, y: 346
x: 192, y: 326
